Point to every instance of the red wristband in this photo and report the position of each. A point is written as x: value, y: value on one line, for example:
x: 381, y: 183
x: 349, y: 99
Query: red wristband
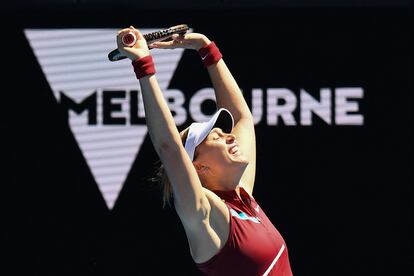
x: 210, y: 54
x: 143, y: 66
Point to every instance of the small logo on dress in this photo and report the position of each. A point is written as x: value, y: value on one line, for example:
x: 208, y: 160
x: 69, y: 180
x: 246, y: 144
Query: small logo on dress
x: 244, y: 216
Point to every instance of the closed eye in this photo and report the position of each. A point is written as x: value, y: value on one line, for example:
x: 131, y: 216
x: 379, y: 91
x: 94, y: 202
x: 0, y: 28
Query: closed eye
x: 214, y: 136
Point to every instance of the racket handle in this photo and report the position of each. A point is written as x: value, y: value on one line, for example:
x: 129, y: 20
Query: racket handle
x: 129, y: 39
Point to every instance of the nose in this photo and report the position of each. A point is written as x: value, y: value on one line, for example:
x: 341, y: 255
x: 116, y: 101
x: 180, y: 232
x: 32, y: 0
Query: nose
x: 230, y: 138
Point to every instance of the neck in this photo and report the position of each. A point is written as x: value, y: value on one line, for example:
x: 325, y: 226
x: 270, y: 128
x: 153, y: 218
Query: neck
x: 228, y: 181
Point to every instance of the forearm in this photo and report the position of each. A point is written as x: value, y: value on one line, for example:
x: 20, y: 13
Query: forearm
x: 227, y: 91
x: 160, y: 122
x: 161, y: 125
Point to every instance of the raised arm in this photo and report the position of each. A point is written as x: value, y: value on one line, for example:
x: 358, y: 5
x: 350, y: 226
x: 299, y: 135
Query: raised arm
x: 229, y: 96
x: 190, y: 201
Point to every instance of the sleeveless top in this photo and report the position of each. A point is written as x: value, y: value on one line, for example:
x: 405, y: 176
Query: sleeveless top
x: 253, y: 247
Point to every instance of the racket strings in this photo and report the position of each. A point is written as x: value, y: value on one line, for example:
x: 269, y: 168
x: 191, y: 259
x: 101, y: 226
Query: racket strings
x: 150, y: 37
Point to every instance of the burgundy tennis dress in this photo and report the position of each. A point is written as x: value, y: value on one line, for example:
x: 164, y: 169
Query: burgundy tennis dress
x: 254, y: 246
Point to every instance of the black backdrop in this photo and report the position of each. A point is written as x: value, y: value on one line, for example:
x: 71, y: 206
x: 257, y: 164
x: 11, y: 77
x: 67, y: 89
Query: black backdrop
x: 340, y: 195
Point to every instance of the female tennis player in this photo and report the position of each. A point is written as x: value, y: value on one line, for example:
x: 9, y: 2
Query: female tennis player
x: 210, y: 168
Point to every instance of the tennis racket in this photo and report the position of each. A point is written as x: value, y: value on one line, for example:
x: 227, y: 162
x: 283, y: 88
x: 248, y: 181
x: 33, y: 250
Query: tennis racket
x: 129, y: 39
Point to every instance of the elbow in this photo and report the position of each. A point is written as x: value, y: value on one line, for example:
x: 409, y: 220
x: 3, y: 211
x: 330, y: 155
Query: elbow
x: 249, y: 117
x: 243, y: 115
x: 246, y: 118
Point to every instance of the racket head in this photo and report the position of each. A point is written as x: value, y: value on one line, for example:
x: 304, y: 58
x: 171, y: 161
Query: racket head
x: 152, y: 37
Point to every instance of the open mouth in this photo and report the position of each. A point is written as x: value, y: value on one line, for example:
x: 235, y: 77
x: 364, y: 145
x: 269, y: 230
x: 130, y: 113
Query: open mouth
x: 234, y: 149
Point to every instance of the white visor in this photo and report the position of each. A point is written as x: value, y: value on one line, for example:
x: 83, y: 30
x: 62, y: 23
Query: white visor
x: 199, y: 131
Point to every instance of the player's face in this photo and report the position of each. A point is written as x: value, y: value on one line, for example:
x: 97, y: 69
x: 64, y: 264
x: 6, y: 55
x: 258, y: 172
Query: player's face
x: 220, y: 152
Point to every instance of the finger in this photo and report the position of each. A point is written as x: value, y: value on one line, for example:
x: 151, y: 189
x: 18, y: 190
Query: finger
x: 123, y: 30
x: 119, y: 36
x: 119, y: 39
x: 177, y: 37
x: 137, y: 33
x: 165, y: 44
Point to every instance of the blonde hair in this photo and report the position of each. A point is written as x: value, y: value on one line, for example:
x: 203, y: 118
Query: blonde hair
x: 162, y: 177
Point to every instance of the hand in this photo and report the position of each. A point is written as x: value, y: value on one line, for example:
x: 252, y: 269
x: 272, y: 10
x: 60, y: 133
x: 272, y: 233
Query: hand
x: 138, y: 50
x: 188, y: 41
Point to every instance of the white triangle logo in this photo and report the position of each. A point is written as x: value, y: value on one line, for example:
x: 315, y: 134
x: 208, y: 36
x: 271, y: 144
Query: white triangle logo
x: 75, y: 64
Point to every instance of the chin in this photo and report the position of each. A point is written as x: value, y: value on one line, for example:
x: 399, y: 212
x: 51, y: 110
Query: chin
x: 239, y: 159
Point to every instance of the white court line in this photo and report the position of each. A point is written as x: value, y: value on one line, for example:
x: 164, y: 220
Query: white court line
x: 275, y: 260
